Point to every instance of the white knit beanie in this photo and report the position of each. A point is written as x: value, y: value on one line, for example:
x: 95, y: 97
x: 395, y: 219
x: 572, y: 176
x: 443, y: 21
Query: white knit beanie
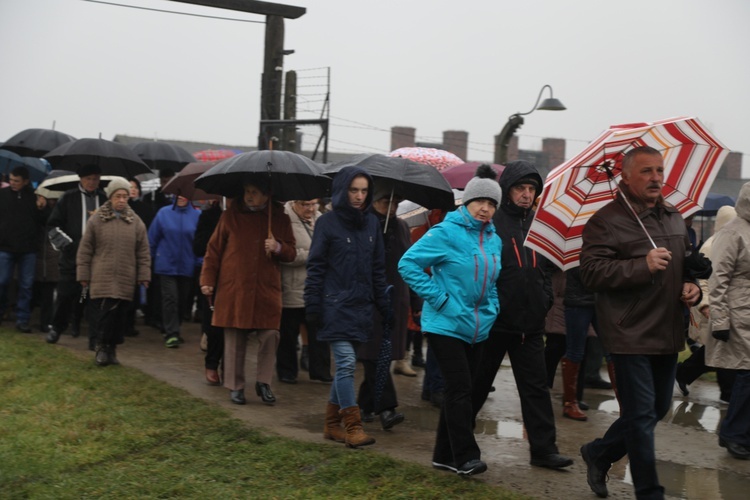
x: 116, y: 184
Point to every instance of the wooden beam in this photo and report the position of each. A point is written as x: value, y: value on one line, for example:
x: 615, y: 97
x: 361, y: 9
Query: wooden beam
x: 252, y: 7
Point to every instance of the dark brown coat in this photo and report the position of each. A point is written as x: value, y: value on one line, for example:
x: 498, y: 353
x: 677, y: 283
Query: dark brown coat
x: 246, y: 281
x: 638, y: 313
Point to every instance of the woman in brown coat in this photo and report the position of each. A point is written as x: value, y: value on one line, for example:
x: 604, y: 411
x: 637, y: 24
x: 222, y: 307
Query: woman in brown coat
x: 112, y: 258
x: 241, y: 266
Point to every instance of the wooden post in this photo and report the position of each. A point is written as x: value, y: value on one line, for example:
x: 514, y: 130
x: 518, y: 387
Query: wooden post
x: 289, y: 132
x: 273, y: 72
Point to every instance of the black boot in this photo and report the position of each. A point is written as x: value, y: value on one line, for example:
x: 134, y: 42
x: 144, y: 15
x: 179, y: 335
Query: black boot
x: 112, y: 353
x: 102, y: 355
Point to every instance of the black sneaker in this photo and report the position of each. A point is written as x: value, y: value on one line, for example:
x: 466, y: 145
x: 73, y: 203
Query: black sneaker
x: 552, y: 461
x: 595, y: 476
x: 23, y: 327
x: 52, y: 336
x: 472, y: 467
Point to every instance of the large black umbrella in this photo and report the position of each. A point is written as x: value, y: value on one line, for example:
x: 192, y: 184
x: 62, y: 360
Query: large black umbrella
x: 160, y: 155
x: 292, y: 176
x: 36, y: 142
x: 111, y: 157
x: 383, y: 364
x: 414, y: 181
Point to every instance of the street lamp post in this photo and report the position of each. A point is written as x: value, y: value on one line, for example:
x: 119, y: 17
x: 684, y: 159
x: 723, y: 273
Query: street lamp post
x: 516, y: 120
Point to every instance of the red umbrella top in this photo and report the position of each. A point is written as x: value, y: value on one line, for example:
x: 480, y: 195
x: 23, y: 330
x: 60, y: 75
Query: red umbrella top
x: 214, y: 154
x: 575, y: 190
x: 437, y: 158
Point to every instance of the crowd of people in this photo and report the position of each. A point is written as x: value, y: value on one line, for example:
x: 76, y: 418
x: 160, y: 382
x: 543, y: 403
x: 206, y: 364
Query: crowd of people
x: 347, y: 279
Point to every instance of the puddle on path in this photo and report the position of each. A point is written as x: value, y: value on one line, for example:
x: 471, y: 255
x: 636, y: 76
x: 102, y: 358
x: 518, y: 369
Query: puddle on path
x: 682, y: 481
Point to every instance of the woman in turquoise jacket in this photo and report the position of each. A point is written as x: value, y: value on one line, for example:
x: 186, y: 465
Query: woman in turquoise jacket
x: 462, y: 254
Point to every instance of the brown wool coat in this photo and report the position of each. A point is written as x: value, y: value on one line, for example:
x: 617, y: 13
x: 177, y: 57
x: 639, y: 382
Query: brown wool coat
x: 247, y: 283
x: 113, y: 255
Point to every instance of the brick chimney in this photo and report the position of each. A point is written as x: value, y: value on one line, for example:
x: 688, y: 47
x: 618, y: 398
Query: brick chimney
x: 554, y: 150
x: 402, y: 137
x: 732, y: 167
x: 513, y: 148
x: 457, y: 142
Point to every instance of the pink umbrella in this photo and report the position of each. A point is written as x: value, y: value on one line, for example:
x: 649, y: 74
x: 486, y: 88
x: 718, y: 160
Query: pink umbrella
x: 575, y: 190
x: 437, y: 158
x: 459, y: 175
x: 214, y: 154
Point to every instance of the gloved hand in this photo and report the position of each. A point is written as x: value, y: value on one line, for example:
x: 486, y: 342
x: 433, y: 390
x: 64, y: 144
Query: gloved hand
x: 314, y: 320
x: 722, y: 335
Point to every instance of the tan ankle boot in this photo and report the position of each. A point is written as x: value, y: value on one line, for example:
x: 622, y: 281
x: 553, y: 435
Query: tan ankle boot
x: 402, y: 368
x: 355, y: 435
x: 570, y: 382
x: 333, y: 429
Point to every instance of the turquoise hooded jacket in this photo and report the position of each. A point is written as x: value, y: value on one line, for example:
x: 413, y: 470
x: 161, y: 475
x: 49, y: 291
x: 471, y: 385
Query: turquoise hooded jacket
x: 463, y: 256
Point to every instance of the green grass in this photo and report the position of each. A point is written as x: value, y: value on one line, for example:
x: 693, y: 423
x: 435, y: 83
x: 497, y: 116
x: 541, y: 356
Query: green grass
x: 69, y: 429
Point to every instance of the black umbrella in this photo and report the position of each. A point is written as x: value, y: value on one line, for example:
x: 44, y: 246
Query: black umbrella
x: 36, y: 142
x: 414, y: 181
x: 111, y: 157
x: 292, y: 176
x: 159, y: 155
x: 383, y: 365
x: 183, y: 183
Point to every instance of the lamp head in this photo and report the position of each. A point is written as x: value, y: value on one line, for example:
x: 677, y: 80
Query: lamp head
x: 551, y: 104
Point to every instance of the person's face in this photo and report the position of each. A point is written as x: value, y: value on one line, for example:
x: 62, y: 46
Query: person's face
x: 523, y: 195
x: 134, y: 191
x: 182, y: 201
x: 645, y: 177
x: 17, y: 182
x: 90, y: 182
x: 358, y: 191
x: 481, y: 209
x: 254, y: 197
x: 385, y: 205
x: 119, y: 199
x: 305, y: 209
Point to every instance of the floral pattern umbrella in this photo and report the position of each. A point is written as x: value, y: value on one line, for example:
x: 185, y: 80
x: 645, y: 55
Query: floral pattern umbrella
x: 437, y: 158
x: 575, y: 190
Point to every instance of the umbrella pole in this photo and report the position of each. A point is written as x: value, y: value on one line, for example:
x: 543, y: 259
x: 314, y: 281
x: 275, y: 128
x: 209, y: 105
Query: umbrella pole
x: 388, y: 213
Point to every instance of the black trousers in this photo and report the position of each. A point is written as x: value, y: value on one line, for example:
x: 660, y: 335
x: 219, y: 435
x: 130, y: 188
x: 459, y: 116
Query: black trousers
x: 214, y: 335
x: 695, y: 366
x: 175, y: 294
x: 68, y: 304
x: 319, y: 352
x: 366, y: 396
x: 459, y: 362
x: 107, y: 317
x: 527, y: 360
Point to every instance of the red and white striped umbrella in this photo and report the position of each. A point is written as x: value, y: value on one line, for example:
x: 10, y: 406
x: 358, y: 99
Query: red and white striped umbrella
x: 575, y: 190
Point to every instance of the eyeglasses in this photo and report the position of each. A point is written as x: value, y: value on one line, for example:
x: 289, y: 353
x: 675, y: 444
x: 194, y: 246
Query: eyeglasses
x: 307, y: 204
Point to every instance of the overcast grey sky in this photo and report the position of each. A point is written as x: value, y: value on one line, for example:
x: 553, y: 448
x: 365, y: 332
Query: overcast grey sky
x: 435, y: 65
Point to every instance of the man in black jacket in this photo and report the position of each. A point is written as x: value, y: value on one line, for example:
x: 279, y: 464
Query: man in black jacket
x: 525, y: 292
x: 67, y: 224
x: 22, y: 215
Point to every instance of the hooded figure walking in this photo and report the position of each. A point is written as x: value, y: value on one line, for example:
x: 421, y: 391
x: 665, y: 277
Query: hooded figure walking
x: 345, y: 278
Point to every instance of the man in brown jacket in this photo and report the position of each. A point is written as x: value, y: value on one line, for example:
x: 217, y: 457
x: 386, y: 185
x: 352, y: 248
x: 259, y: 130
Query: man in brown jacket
x: 641, y: 292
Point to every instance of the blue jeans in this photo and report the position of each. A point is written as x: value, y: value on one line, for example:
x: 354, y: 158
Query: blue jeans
x: 342, y: 389
x: 736, y: 424
x: 577, y: 321
x: 26, y: 263
x: 645, y: 384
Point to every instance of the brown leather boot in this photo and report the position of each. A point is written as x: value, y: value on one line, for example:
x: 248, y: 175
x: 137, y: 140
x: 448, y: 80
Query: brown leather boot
x: 332, y: 429
x: 613, y: 379
x: 570, y: 384
x: 355, y: 435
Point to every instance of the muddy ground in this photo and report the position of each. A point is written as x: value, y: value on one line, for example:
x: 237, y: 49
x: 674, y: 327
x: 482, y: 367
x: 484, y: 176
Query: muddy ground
x: 691, y: 464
